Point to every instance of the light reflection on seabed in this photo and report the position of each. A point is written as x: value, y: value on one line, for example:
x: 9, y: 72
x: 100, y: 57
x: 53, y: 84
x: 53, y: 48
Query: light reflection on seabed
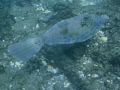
x: 89, y: 2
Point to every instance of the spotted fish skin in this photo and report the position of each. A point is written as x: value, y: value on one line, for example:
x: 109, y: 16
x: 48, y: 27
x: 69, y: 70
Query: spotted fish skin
x: 76, y: 29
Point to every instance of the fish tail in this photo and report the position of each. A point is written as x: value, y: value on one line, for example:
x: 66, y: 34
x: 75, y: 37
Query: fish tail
x: 25, y: 50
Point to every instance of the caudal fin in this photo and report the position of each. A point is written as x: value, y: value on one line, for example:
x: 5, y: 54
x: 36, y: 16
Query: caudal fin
x: 24, y: 50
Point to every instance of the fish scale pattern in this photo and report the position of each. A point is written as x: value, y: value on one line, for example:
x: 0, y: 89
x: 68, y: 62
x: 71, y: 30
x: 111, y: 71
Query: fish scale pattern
x: 76, y: 29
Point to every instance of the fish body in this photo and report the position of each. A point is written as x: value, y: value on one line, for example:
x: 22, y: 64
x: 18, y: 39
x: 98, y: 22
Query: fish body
x: 76, y: 29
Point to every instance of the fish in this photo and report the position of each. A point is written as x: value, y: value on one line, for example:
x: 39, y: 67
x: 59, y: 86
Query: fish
x: 75, y: 29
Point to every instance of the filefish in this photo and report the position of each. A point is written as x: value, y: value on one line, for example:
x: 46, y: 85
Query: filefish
x: 76, y: 29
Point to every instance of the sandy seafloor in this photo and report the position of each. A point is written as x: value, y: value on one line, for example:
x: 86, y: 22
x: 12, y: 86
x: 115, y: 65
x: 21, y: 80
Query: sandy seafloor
x: 90, y: 65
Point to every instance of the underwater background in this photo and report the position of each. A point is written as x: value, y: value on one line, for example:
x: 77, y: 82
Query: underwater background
x: 90, y: 65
